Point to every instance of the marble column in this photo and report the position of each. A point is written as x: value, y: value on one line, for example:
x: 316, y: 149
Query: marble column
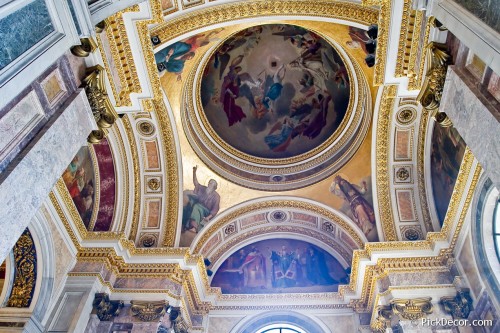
x: 473, y: 120
x: 29, y: 179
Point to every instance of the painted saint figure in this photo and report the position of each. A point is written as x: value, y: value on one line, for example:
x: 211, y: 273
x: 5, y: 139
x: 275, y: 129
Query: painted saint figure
x: 284, y: 265
x: 254, y: 269
x: 361, y: 209
x: 173, y: 57
x: 200, y: 205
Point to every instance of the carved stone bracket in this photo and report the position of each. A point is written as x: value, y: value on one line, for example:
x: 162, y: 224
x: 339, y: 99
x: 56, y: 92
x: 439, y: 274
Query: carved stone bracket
x: 104, y: 308
x: 100, y: 104
x: 432, y: 89
x: 458, y: 306
x: 398, y: 308
x: 148, y: 311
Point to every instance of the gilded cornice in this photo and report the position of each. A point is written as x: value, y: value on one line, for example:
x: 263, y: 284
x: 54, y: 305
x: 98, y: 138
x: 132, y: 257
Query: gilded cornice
x: 384, y: 21
x: 415, y: 82
x: 407, y: 24
x: 382, y: 163
x: 121, y: 52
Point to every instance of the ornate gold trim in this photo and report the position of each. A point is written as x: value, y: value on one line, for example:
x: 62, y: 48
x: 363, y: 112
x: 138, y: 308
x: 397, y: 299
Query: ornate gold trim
x: 166, y: 136
x: 122, y: 57
x: 382, y: 163
x: 424, y: 120
x: 222, y: 155
x: 384, y: 21
x: 137, y: 179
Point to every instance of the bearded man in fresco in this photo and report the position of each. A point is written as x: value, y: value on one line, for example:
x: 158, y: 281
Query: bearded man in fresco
x: 200, y: 205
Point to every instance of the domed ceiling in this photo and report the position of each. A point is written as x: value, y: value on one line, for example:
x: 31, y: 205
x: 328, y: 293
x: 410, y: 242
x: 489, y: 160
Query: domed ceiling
x: 274, y: 106
x: 284, y: 90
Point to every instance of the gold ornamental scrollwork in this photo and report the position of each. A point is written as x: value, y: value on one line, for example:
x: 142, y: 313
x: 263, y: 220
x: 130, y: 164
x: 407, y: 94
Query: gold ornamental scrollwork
x: 105, y: 308
x: 412, y: 309
x: 25, y: 272
x: 398, y: 308
x: 148, y: 311
x: 431, y: 93
x: 101, y: 106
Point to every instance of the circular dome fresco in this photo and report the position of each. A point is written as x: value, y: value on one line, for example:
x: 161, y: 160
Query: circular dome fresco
x: 276, y: 107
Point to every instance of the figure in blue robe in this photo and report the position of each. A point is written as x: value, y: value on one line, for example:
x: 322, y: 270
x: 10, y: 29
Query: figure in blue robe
x: 173, y: 57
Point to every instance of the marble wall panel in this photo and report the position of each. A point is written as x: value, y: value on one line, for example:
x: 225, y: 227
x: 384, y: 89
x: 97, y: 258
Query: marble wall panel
x: 403, y: 146
x: 406, y: 205
x: 249, y: 221
x: 153, y: 214
x: 24, y: 187
x: 339, y: 324
x: 473, y: 120
x: 214, y: 241
x: 53, y: 86
x: 18, y: 122
x: 313, y: 220
x: 222, y: 324
x: 14, y: 110
x: 466, y: 258
x: 62, y: 253
x: 23, y: 29
x: 152, y: 156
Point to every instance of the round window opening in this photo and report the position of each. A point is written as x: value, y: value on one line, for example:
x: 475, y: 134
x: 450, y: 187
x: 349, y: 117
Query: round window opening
x: 280, y: 328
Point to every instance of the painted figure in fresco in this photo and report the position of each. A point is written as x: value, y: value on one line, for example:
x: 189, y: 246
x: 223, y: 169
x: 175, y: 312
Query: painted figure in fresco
x: 285, y: 267
x: 254, y: 269
x: 316, y: 268
x: 360, y: 208
x: 173, y: 57
x: 200, y: 205
x: 80, y: 189
x: 359, y: 38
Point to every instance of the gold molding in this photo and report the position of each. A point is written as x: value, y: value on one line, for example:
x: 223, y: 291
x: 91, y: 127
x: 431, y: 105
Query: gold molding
x: 384, y: 21
x: 121, y: 53
x: 387, y: 103
x: 170, y: 153
x: 137, y: 179
x: 424, y: 120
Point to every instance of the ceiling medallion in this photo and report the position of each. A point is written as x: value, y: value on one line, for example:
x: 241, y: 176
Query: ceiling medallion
x: 154, y: 184
x: 402, y: 174
x: 406, y: 116
x: 146, y: 128
x: 276, y: 107
x: 278, y: 216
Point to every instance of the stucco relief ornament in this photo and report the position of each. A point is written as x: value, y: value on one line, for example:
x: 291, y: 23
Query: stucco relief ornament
x: 402, y: 174
x: 105, y: 308
x: 154, y: 184
x: 148, y: 311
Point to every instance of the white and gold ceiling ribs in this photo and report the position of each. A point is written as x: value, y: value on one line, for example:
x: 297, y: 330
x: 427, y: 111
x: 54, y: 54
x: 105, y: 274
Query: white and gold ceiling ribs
x: 118, y: 251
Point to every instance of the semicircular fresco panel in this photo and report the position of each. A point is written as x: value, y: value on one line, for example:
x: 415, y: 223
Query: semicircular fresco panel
x: 279, y: 266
